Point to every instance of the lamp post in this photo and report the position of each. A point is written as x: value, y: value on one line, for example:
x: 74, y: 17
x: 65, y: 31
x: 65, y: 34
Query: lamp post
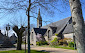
x: 7, y: 28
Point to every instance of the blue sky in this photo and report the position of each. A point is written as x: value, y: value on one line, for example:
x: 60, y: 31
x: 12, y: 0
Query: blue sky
x: 7, y: 16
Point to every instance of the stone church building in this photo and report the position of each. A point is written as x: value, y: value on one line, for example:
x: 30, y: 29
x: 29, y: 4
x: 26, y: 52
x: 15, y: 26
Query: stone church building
x: 62, y: 27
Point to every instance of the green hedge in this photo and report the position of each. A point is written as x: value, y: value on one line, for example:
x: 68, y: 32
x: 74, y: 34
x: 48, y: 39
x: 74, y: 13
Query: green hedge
x: 42, y: 43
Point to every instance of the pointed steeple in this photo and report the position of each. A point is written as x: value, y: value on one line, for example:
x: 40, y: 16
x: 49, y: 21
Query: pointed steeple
x: 39, y: 20
x: 39, y: 16
x: 39, y: 12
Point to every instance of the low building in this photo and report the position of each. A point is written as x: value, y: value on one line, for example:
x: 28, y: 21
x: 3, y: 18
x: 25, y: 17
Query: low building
x: 62, y: 27
x: 2, y: 37
x: 13, y: 39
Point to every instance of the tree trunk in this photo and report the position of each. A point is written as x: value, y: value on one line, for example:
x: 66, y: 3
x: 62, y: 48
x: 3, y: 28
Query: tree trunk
x: 78, y: 24
x: 19, y: 42
x: 29, y: 26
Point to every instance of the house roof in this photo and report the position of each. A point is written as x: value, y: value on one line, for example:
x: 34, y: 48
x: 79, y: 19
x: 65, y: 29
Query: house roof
x: 68, y: 29
x: 2, y: 38
x: 13, y: 36
x: 40, y: 30
x: 1, y: 35
x: 53, y: 29
x: 60, y: 25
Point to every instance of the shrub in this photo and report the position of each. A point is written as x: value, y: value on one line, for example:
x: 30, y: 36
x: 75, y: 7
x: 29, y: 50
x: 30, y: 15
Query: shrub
x: 63, y: 42
x: 56, y: 34
x: 42, y: 43
x: 68, y: 39
x: 65, y: 45
x: 54, y: 42
x: 71, y: 44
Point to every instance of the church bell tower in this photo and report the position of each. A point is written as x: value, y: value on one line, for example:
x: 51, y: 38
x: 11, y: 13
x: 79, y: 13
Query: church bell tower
x: 39, y: 20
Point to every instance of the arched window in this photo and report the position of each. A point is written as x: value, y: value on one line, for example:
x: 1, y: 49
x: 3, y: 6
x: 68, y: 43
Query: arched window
x: 32, y: 36
x: 49, y: 34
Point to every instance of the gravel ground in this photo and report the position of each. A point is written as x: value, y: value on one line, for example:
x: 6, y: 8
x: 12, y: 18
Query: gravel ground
x: 7, y: 49
x: 53, y: 50
x: 48, y: 49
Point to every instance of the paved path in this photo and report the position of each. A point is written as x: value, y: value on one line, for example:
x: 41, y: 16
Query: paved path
x: 53, y: 50
x: 7, y: 49
x: 48, y: 49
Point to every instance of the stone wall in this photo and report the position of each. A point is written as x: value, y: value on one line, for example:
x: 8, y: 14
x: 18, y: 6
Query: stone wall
x: 70, y: 35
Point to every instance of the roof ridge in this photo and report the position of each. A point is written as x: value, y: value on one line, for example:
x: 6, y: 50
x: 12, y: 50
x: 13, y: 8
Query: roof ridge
x: 57, y: 21
x: 62, y: 19
x: 38, y: 28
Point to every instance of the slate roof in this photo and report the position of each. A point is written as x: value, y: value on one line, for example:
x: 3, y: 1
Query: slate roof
x: 68, y: 29
x: 13, y: 36
x: 53, y: 29
x: 40, y: 30
x: 2, y: 38
x: 60, y: 25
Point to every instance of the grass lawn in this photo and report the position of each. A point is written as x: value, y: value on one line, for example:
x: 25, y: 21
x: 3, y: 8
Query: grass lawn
x: 72, y: 48
x: 63, y: 47
x: 21, y: 51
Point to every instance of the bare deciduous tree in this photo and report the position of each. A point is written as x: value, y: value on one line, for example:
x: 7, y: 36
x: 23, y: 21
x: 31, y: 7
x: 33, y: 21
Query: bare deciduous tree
x: 18, y: 27
x: 19, y: 32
